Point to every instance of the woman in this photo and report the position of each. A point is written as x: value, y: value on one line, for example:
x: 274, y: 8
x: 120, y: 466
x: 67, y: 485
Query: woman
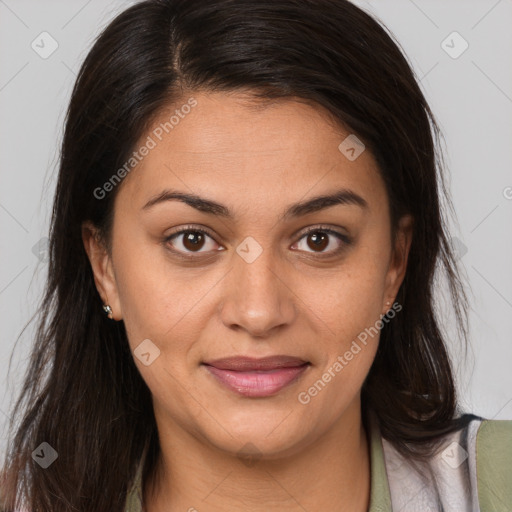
x: 240, y: 306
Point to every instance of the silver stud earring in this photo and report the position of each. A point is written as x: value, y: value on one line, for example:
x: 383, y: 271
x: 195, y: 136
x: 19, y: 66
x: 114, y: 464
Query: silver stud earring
x: 108, y: 310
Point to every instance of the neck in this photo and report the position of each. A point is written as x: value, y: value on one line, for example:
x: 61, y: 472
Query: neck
x: 331, y: 473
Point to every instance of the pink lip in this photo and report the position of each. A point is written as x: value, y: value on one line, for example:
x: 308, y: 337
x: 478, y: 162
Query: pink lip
x: 257, y: 377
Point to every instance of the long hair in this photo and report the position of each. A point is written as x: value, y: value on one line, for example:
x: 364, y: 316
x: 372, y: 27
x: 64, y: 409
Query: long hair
x: 82, y: 393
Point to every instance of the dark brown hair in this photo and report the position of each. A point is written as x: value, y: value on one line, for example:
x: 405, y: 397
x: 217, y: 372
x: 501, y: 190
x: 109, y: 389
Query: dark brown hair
x: 82, y: 392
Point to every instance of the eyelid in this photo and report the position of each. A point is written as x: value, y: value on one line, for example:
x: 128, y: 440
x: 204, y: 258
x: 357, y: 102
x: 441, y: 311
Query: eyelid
x: 324, y: 228
x: 190, y: 227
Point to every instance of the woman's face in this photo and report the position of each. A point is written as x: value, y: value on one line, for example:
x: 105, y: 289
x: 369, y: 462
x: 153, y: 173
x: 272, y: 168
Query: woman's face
x: 256, y: 284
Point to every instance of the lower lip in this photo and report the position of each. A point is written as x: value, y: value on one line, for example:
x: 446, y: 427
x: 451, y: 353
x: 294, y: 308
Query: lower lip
x: 260, y: 383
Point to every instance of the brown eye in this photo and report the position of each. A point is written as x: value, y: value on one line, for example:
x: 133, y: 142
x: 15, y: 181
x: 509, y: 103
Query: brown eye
x: 193, y: 240
x: 189, y: 241
x: 323, y: 241
x: 318, y: 240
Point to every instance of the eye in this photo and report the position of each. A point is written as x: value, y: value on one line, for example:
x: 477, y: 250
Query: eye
x: 323, y: 240
x: 191, y: 240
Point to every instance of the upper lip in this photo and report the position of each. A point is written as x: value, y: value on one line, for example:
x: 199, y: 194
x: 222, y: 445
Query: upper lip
x: 250, y: 363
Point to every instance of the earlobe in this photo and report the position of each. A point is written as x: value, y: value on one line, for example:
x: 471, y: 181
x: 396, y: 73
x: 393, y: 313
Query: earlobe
x: 102, y: 268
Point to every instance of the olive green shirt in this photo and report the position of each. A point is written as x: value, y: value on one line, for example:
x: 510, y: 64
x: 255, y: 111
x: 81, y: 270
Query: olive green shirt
x: 472, y: 473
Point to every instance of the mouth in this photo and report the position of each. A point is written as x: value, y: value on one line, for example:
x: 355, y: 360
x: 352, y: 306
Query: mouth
x: 253, y: 377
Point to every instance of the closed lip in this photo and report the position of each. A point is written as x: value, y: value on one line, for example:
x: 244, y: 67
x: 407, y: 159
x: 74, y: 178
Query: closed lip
x: 241, y: 364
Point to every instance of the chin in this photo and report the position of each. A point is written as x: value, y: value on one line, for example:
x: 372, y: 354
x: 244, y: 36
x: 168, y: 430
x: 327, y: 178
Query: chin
x: 261, y: 438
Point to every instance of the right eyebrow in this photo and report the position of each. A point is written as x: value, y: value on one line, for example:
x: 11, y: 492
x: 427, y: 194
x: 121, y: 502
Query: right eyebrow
x: 199, y: 203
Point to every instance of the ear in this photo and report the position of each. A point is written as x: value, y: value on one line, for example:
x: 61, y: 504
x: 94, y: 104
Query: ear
x: 399, y: 257
x: 102, y: 268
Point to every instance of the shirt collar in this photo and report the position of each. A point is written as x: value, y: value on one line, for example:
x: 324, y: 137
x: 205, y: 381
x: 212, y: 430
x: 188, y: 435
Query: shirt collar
x: 380, y: 496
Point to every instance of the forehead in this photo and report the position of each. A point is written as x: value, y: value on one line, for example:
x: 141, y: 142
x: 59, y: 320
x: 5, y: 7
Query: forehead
x: 229, y: 147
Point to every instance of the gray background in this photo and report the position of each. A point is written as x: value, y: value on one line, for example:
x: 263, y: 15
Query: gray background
x: 471, y: 96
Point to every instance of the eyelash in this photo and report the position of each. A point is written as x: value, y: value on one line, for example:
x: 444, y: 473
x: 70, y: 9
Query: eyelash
x: 322, y: 229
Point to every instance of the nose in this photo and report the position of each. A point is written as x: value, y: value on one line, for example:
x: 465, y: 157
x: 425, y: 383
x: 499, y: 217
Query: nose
x: 257, y: 296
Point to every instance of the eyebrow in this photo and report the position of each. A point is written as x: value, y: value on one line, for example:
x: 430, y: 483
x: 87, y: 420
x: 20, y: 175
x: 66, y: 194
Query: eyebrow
x: 340, y: 197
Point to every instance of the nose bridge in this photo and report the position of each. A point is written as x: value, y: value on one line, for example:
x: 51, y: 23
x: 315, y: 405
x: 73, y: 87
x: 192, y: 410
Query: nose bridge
x: 256, y: 299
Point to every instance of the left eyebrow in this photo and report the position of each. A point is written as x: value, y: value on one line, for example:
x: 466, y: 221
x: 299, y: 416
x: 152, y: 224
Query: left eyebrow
x: 343, y: 196
x: 315, y: 204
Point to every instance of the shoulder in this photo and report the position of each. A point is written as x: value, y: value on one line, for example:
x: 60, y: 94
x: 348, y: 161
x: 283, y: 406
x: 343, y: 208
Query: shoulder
x: 494, y: 464
x: 470, y: 471
x: 494, y: 432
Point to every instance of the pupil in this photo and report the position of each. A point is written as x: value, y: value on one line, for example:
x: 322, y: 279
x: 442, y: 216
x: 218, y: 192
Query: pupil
x: 319, y: 240
x: 195, y: 239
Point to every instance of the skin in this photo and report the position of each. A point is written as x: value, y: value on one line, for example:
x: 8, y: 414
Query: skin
x: 289, y: 300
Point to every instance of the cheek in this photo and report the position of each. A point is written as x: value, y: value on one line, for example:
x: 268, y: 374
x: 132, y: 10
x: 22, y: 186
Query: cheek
x: 348, y: 348
x: 350, y: 307
x: 350, y: 299
x: 163, y: 303
x: 152, y: 299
